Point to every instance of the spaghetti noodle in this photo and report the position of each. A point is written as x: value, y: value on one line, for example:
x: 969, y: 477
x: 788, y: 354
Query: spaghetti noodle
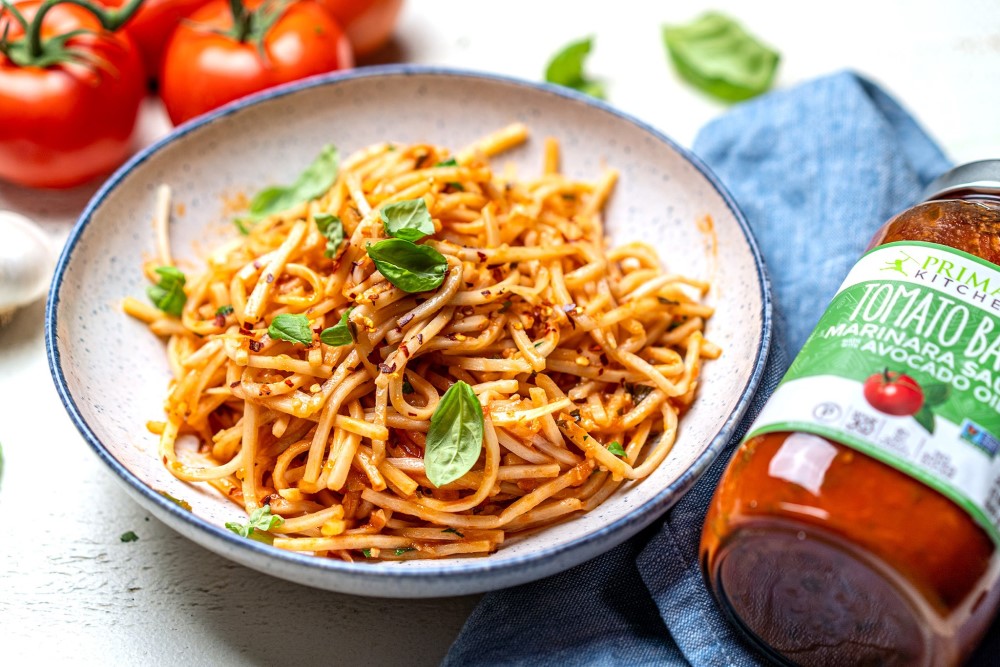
x: 581, y: 357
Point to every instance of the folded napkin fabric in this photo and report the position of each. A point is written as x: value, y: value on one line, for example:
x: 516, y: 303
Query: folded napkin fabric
x: 816, y: 169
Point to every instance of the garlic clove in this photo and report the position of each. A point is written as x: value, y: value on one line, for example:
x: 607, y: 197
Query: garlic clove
x: 26, y: 262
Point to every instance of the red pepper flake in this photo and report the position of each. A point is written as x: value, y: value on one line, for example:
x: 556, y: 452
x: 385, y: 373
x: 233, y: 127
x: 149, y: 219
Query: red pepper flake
x: 497, y: 273
x: 481, y: 256
x: 256, y: 265
x: 234, y: 384
x: 420, y: 338
x: 289, y: 383
x: 387, y: 369
x: 485, y: 292
x: 256, y: 346
x: 220, y: 320
x: 265, y: 390
x: 269, y: 279
x: 405, y: 350
x: 245, y: 331
x: 468, y: 284
x: 404, y: 320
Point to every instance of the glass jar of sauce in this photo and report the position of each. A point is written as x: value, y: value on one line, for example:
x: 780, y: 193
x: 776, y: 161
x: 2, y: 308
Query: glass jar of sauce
x: 857, y: 524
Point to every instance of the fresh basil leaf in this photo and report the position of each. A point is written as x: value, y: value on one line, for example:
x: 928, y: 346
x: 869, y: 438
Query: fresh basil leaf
x: 408, y: 266
x: 261, y: 520
x: 129, y: 536
x: 224, y: 310
x: 367, y: 553
x: 403, y: 550
x: 168, y: 294
x: 455, y: 437
x: 332, y: 228
x: 639, y: 392
x: 177, y: 501
x: 566, y: 69
x: 311, y: 184
x: 341, y: 333
x: 452, y: 530
x: 616, y: 448
x: 717, y: 56
x: 293, y: 328
x: 409, y: 220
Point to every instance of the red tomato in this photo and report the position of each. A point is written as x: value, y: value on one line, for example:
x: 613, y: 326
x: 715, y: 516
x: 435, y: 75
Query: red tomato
x: 203, y: 69
x: 894, y: 393
x: 152, y: 26
x: 63, y: 124
x: 368, y: 23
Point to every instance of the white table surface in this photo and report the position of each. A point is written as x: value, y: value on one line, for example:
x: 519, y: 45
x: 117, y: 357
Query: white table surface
x: 71, y: 590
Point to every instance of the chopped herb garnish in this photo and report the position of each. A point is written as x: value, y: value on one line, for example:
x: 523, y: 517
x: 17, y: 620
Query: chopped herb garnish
x: 168, y: 294
x: 616, y: 448
x: 410, y: 267
x: 667, y: 302
x: 400, y: 552
x: 717, y: 56
x: 367, y: 553
x: 407, y: 387
x: 539, y: 343
x: 575, y: 414
x: 293, y: 328
x: 261, y: 521
x: 450, y: 162
x: 224, y: 310
x: 177, y: 501
x: 243, y: 225
x: 129, y: 537
x: 566, y: 69
x: 332, y: 228
x: 452, y: 530
x: 317, y: 178
x: 455, y: 437
x: 341, y: 333
x: 506, y: 306
x: 409, y: 220
x: 638, y: 392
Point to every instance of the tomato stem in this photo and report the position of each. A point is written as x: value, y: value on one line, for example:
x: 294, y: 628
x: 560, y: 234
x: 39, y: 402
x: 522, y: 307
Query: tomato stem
x: 241, y: 20
x: 110, y: 19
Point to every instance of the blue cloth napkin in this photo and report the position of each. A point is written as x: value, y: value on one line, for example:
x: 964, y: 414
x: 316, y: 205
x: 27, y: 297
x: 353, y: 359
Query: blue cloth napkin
x: 816, y: 169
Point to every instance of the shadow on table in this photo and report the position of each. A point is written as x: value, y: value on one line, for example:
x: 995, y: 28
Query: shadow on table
x: 252, y: 618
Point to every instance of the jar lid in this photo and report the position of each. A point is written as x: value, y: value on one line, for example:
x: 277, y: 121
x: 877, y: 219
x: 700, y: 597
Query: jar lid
x: 981, y: 177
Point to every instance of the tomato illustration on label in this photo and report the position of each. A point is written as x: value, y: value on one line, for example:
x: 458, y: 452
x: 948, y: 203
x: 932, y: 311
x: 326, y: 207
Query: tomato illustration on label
x: 900, y: 395
x: 894, y: 393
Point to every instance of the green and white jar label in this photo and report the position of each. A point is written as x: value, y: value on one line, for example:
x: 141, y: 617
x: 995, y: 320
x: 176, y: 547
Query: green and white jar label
x: 904, y: 366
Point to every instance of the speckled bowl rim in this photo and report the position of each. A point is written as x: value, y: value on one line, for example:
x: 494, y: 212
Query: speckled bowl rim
x: 467, y: 569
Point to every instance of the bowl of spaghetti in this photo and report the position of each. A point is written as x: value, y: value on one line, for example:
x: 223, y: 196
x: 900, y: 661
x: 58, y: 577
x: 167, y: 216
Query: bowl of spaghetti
x: 409, y: 332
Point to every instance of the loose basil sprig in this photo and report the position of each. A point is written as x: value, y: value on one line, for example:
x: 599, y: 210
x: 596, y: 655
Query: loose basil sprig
x: 261, y: 521
x: 566, y: 69
x: 408, y: 266
x: 341, y: 333
x: 408, y: 220
x: 717, y: 56
x: 293, y: 328
x: 455, y: 437
x: 332, y: 228
x: 616, y: 448
x: 168, y: 294
x: 317, y: 178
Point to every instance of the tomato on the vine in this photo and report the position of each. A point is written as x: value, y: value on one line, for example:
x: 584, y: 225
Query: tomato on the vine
x: 228, y: 51
x: 368, y: 23
x: 152, y: 26
x: 894, y: 393
x: 70, y: 90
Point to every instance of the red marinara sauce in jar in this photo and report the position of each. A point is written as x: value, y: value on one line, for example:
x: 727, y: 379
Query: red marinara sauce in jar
x: 857, y: 524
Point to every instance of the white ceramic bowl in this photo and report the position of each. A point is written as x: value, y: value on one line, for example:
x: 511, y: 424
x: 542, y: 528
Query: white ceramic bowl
x: 112, y: 374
